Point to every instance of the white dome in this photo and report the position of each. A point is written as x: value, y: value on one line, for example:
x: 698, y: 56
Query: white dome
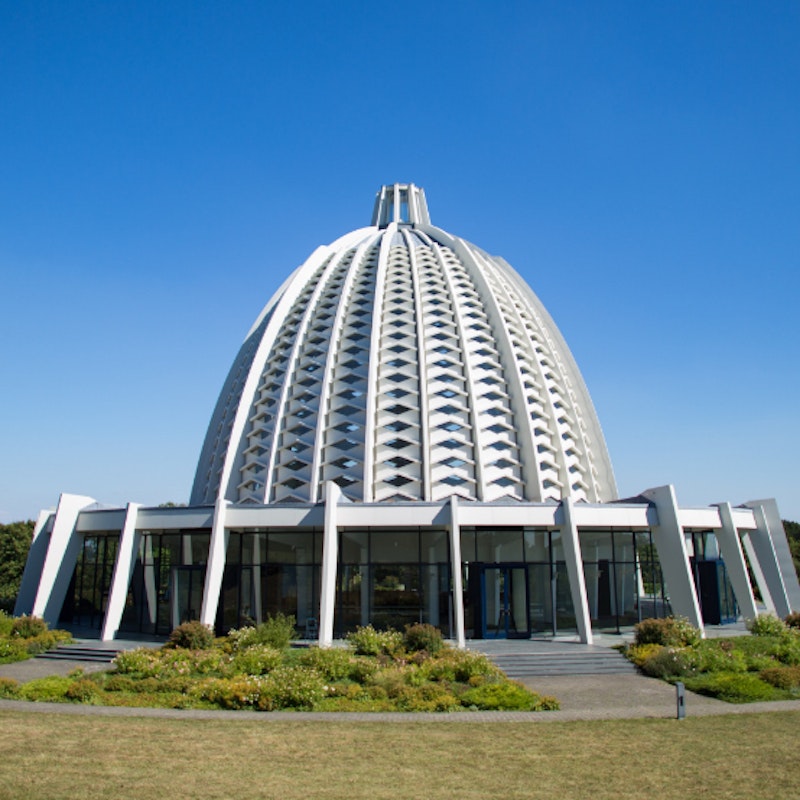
x: 404, y: 364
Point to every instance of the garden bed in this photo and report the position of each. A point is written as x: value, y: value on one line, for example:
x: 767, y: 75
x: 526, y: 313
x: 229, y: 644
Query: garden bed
x: 254, y: 668
x: 740, y: 669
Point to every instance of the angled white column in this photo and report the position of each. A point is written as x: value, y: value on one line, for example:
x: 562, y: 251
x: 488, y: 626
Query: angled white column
x: 330, y: 557
x: 730, y: 548
x: 34, y: 565
x: 761, y: 581
x: 123, y: 569
x: 574, y: 561
x: 671, y: 546
x: 764, y: 553
x: 217, y: 553
x: 780, y: 545
x: 59, y: 564
x: 455, y: 566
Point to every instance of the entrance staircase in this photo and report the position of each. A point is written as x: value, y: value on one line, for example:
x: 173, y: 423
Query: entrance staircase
x: 82, y: 653
x: 530, y: 659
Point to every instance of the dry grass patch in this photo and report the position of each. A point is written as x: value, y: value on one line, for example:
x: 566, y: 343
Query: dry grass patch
x: 57, y: 756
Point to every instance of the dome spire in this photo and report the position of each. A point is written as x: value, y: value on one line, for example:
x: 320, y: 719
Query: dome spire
x: 400, y: 202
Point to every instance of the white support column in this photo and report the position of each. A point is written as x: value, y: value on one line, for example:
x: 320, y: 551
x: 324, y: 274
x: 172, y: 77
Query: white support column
x: 34, y: 565
x: 455, y: 566
x: 330, y: 558
x: 574, y: 561
x: 123, y: 569
x: 764, y: 552
x: 780, y: 545
x: 215, y: 567
x: 730, y: 549
x: 671, y: 546
x: 59, y: 563
x: 761, y: 581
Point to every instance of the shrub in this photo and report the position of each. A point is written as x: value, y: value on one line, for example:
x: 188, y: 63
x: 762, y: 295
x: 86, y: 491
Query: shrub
x: 717, y: 656
x: 793, y: 619
x: 334, y: 664
x: 192, y: 635
x: 47, y: 690
x: 667, y: 663
x: 276, y: 631
x: 9, y: 688
x: 766, y: 625
x: 291, y: 687
x: 421, y: 637
x: 256, y: 660
x: 366, y: 641
x: 427, y: 698
x: 11, y: 650
x: 507, y: 696
x: 781, y: 677
x: 234, y: 693
x: 82, y: 690
x: 460, y: 666
x: 669, y: 632
x: 26, y: 627
x: 733, y: 687
x: 6, y: 624
x: 639, y: 653
x: 120, y: 683
x: 142, y: 661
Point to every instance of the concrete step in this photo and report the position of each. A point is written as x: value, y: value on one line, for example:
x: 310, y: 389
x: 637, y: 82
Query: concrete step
x: 92, y: 655
x: 524, y: 665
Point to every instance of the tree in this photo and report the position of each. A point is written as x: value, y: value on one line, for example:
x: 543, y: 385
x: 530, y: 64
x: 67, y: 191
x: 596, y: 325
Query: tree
x: 793, y: 535
x: 15, y: 541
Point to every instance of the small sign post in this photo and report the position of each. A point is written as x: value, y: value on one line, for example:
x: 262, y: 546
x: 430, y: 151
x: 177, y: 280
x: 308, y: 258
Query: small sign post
x: 680, y: 695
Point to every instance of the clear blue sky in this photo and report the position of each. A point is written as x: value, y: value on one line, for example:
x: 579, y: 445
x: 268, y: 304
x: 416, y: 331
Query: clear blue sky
x: 163, y: 166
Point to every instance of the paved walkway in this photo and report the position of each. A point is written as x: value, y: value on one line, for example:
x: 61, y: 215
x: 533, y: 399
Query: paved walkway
x: 582, y: 697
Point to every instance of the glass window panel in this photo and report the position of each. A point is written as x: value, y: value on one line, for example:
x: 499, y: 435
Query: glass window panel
x: 391, y: 547
x: 537, y: 546
x: 354, y: 547
x: 435, y: 546
x: 501, y: 545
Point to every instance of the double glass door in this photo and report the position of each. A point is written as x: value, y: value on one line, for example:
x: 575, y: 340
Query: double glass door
x: 505, y: 602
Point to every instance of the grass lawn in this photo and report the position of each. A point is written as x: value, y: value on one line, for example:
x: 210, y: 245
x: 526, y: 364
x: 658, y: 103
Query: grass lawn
x: 56, y: 756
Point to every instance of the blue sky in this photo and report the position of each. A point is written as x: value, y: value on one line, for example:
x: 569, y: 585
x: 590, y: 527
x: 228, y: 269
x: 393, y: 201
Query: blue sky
x: 163, y: 166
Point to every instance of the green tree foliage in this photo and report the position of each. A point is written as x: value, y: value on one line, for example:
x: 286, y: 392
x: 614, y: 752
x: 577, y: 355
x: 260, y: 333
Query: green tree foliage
x: 15, y: 541
x: 793, y: 535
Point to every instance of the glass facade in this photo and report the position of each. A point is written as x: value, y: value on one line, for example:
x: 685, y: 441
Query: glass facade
x: 270, y: 572
x: 87, y: 598
x: 714, y: 590
x: 515, y: 583
x: 168, y: 579
x: 392, y: 578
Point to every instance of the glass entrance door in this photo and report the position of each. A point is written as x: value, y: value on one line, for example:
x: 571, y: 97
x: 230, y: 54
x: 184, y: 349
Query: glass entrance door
x: 505, y: 602
x: 187, y: 594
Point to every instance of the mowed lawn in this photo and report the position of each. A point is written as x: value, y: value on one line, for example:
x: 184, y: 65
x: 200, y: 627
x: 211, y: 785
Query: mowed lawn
x: 59, y: 756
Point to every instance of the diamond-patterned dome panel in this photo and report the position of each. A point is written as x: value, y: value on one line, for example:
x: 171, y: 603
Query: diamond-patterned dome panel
x: 404, y: 364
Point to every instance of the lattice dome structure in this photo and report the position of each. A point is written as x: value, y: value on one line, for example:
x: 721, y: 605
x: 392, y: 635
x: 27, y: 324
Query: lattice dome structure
x: 404, y: 364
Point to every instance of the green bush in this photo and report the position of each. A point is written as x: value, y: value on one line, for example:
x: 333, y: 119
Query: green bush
x: 781, y: 677
x: 459, y: 665
x: 83, y: 690
x: 423, y: 637
x: 506, y: 696
x: 6, y: 624
x: 26, y: 627
x: 9, y: 688
x: 12, y: 650
x: 142, y: 661
x: 242, y: 691
x: 291, y: 687
x: 333, y: 663
x: 276, y: 631
x: 669, y: 632
x: 716, y: 655
x: 47, y: 690
x: 766, y: 625
x: 427, y: 698
x: 366, y: 641
x: 733, y: 687
x: 793, y: 620
x: 667, y: 663
x: 256, y: 660
x: 192, y: 635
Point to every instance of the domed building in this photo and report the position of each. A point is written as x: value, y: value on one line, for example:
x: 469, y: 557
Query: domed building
x: 404, y: 436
